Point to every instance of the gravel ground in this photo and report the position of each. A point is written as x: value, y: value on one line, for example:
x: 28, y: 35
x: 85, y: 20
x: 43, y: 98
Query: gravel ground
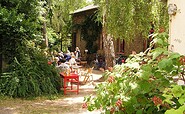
x: 67, y: 104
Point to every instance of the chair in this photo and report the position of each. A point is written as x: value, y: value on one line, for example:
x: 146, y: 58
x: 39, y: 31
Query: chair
x: 87, y: 74
x: 83, y: 63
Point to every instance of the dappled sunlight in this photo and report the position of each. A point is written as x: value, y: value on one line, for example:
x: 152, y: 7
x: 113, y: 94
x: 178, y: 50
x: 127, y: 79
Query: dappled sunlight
x: 74, y: 100
x: 89, y: 86
x: 71, y: 103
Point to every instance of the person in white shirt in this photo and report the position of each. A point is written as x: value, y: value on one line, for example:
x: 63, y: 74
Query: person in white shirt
x: 72, y: 61
x: 77, y: 54
x: 62, y: 66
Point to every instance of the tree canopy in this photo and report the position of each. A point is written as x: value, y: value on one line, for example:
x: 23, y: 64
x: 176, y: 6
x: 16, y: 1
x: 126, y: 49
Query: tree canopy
x: 26, y: 72
x: 128, y: 18
x: 26, y: 24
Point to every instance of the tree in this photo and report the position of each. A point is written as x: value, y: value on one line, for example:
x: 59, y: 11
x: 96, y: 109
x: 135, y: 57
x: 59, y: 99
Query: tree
x: 27, y: 73
x: 59, y: 18
x: 108, y: 41
x: 127, y: 19
x: 18, y: 22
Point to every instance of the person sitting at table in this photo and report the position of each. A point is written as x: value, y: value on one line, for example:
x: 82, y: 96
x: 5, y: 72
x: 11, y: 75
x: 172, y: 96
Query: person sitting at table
x: 78, y: 54
x: 62, y: 66
x: 60, y: 55
x: 67, y: 55
x: 72, y: 61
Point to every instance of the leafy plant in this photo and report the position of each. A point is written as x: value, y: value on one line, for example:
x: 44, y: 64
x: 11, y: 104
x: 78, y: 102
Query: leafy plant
x: 91, y: 30
x: 175, y: 97
x: 141, y: 85
x: 128, y: 19
x: 30, y: 75
x: 16, y: 27
x: 27, y: 73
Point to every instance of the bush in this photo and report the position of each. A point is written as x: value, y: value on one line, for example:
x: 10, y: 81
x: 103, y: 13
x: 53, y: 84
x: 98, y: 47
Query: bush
x: 144, y: 84
x: 29, y: 75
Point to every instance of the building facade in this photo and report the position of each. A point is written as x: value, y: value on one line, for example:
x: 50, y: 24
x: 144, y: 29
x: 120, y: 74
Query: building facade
x: 79, y: 16
x: 176, y: 11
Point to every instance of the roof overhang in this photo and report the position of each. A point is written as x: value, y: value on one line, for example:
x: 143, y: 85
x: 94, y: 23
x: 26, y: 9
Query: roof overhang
x: 90, y: 7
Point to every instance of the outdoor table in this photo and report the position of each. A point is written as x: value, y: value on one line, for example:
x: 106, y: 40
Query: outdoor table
x: 76, y: 68
x: 72, y: 78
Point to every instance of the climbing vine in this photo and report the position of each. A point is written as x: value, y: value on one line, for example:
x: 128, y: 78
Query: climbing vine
x: 91, y: 30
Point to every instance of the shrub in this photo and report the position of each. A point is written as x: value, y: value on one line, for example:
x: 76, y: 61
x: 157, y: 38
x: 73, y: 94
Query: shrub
x: 144, y: 84
x: 30, y: 75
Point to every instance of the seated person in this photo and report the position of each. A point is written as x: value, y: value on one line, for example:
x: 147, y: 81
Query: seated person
x: 62, y: 66
x: 67, y: 57
x: 72, y: 61
x: 100, y: 62
x: 60, y: 55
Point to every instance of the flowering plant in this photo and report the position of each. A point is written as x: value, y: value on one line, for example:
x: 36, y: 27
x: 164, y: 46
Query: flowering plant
x: 144, y: 84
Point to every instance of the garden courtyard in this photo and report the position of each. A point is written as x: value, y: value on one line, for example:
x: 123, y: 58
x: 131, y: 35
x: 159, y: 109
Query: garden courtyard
x: 62, y: 104
x: 136, y: 45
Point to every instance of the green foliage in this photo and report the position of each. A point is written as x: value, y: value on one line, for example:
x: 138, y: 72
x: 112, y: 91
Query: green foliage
x: 176, y: 98
x: 29, y: 75
x: 16, y: 27
x: 127, y: 19
x: 59, y: 19
x: 91, y: 30
x: 53, y: 38
x: 144, y: 84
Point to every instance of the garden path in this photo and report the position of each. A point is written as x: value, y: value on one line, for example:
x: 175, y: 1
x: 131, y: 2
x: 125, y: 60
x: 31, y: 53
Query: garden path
x: 67, y: 104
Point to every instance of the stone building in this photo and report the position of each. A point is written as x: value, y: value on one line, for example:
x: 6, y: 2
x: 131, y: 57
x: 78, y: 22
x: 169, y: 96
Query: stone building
x: 121, y: 47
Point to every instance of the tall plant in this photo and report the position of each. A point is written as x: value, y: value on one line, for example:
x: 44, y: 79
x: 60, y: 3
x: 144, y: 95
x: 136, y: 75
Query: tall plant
x: 26, y: 73
x: 30, y: 75
x: 17, y: 25
x: 128, y: 18
x: 59, y: 18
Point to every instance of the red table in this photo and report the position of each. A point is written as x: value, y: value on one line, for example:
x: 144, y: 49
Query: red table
x: 73, y: 77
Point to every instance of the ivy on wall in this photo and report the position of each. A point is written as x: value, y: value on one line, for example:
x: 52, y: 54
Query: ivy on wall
x: 90, y: 31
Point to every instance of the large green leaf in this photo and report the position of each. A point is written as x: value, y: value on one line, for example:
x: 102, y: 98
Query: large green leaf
x: 147, y: 67
x: 165, y: 64
x: 157, y: 52
x: 145, y: 75
x: 177, y: 91
x: 174, y: 55
x: 180, y: 110
x: 139, y: 111
x: 145, y: 86
x: 182, y: 99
